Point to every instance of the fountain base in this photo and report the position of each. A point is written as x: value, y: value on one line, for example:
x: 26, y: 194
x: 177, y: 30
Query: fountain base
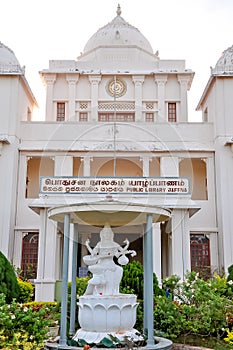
x: 97, y: 337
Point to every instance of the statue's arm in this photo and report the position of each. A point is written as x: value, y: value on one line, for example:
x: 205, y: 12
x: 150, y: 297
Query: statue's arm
x: 126, y: 241
x: 95, y: 250
x: 90, y: 250
x: 124, y: 250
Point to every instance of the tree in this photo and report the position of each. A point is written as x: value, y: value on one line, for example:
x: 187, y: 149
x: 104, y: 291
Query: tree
x: 8, y: 280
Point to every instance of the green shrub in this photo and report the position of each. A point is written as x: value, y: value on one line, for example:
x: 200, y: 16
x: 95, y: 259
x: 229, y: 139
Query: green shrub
x: 52, y: 310
x: 21, y: 326
x: 168, y: 318
x: 26, y: 291
x: 8, y: 280
x: 81, y: 285
x: 132, y: 280
x: 201, y: 306
x: 132, y: 283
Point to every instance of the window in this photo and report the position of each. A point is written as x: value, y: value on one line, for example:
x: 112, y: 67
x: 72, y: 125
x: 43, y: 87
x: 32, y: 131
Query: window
x: 83, y: 117
x: 172, y: 112
x: 200, y: 253
x: 119, y: 117
x: 149, y: 117
x: 60, y: 111
x: 30, y: 255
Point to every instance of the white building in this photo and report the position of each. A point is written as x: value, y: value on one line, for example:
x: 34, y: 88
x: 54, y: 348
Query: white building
x: 117, y: 111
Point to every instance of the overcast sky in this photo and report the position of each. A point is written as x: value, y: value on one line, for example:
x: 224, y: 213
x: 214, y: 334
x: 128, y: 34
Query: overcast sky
x: 194, y: 30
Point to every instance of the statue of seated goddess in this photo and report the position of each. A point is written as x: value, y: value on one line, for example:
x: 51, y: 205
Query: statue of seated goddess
x: 106, y: 274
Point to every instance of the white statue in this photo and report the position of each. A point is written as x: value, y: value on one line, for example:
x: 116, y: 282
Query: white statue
x: 106, y: 274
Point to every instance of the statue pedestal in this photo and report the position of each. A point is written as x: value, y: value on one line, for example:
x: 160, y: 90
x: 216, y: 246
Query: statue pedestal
x: 100, y: 316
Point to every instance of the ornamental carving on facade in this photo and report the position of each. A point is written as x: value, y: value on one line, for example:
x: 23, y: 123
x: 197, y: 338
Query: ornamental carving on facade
x: 116, y: 87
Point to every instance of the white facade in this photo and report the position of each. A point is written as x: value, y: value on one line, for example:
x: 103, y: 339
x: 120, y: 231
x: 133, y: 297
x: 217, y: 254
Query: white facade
x: 119, y: 110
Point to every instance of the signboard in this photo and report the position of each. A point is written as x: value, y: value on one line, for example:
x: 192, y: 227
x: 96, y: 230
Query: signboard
x: 111, y: 185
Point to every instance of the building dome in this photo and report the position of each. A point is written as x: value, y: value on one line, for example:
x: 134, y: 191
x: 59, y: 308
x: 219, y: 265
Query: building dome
x: 225, y: 62
x: 118, y: 33
x: 8, y: 60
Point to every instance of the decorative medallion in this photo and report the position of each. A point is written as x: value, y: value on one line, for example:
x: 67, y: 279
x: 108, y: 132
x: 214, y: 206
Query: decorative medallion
x: 116, y: 88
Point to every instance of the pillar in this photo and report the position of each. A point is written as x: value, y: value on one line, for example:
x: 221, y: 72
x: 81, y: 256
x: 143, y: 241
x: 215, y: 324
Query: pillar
x: 145, y: 166
x: 94, y: 80
x: 49, y: 80
x: 161, y: 82
x: 63, y: 322
x: 138, y: 81
x: 63, y: 165
x: 73, y: 301
x: 210, y: 179
x: 214, y: 256
x: 72, y: 81
x: 183, y: 80
x: 86, y: 165
x: 157, y: 262
x: 169, y: 166
x: 148, y: 282
x: 18, y: 243
x: 181, y: 262
x: 18, y: 235
x: 45, y: 282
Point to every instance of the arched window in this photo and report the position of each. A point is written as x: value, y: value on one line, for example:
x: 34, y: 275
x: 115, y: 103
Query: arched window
x: 30, y: 255
x: 200, y: 253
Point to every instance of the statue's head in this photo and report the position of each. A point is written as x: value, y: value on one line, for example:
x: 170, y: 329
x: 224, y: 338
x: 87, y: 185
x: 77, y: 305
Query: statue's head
x: 106, y: 233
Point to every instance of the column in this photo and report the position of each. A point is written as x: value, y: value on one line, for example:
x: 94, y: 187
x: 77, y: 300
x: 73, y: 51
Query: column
x: 63, y: 165
x: 17, y: 254
x: 63, y: 322
x: 58, y: 270
x: 148, y: 282
x: 86, y: 165
x: 73, y: 285
x: 157, y: 264
x: 45, y: 282
x: 49, y: 80
x: 41, y: 256
x: 180, y: 242
x: 22, y: 179
x: 23, y: 162
x: 211, y: 195
x: 72, y: 80
x: 183, y: 80
x: 145, y: 166
x: 214, y: 256
x: 94, y: 80
x: 161, y: 82
x: 138, y: 81
x: 169, y: 166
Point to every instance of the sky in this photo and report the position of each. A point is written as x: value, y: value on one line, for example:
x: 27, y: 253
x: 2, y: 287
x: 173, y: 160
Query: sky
x: 197, y: 31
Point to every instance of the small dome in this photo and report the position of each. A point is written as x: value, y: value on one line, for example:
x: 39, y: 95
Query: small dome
x: 118, y: 33
x: 225, y: 62
x: 8, y: 60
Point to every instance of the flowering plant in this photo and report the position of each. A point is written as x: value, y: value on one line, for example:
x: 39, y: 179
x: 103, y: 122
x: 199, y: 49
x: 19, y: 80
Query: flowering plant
x: 22, y: 325
x: 195, y: 306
